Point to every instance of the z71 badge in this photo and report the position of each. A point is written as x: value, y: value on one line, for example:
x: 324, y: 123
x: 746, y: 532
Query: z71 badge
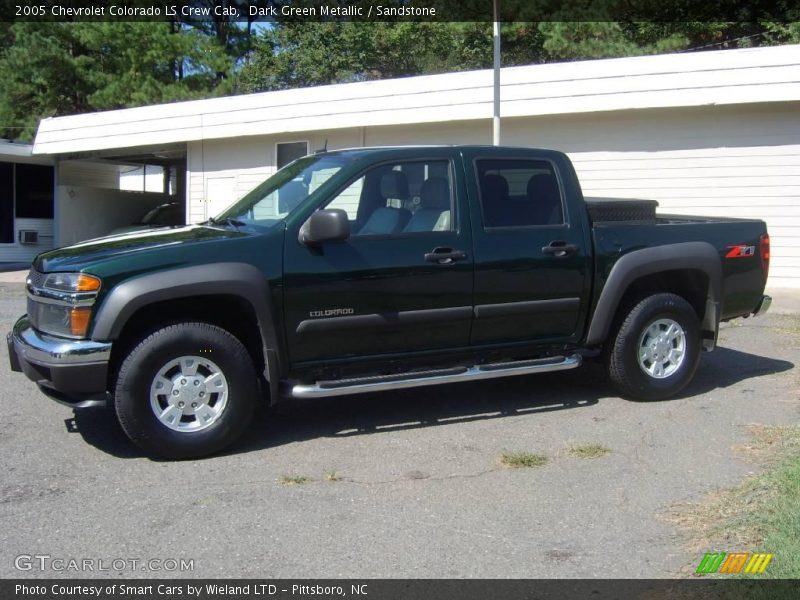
x: 331, y: 312
x: 741, y: 251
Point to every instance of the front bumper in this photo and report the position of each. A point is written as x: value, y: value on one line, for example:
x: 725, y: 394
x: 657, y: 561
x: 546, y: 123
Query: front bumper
x: 763, y: 306
x: 72, y: 372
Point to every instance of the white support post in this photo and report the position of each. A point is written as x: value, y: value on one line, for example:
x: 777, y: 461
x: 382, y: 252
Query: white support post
x: 496, y: 114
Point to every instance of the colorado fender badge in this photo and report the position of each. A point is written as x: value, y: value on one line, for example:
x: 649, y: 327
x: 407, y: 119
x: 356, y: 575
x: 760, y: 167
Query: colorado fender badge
x: 331, y: 312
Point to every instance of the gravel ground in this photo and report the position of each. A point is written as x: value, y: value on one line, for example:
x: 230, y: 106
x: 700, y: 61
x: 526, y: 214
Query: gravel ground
x: 418, y: 490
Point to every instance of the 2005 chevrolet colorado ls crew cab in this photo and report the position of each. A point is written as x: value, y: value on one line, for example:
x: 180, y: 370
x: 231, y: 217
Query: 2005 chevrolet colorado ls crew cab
x: 371, y: 269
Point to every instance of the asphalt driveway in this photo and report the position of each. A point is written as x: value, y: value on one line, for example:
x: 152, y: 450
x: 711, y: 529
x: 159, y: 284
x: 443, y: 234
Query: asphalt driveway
x: 403, y: 484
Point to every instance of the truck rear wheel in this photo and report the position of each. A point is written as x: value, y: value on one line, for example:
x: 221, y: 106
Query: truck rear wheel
x: 655, y: 350
x: 187, y: 390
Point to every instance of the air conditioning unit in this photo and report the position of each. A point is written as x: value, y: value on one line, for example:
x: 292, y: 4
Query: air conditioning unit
x: 28, y: 236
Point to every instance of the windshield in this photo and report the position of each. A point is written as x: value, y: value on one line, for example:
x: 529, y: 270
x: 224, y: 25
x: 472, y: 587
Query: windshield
x: 279, y: 195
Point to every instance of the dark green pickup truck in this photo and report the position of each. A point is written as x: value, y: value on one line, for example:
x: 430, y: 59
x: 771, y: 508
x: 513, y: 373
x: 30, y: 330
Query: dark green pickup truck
x: 384, y: 268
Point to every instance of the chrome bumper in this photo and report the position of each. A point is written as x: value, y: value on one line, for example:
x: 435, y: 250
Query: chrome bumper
x: 72, y: 372
x: 763, y: 306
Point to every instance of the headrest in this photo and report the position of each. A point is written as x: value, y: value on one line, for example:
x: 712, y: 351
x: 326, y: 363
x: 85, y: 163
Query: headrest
x: 394, y: 185
x: 495, y: 187
x: 543, y: 185
x: 435, y: 193
x: 290, y: 195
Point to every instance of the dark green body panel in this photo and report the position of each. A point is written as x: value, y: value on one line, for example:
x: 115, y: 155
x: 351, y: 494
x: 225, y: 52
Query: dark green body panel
x: 511, y: 268
x: 119, y: 259
x: 418, y: 305
x: 743, y: 279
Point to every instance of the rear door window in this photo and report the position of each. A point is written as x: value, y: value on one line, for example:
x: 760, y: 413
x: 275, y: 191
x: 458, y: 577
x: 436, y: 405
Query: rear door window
x: 519, y: 193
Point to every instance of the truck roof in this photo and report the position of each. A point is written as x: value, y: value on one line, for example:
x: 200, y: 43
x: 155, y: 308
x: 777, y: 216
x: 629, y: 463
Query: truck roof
x: 360, y: 152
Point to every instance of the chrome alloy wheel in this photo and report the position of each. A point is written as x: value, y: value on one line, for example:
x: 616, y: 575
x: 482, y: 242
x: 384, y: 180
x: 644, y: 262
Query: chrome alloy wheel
x: 662, y: 348
x: 188, y: 393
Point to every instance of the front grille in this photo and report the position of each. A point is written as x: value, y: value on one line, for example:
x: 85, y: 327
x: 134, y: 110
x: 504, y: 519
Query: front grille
x: 35, y: 309
x: 36, y: 279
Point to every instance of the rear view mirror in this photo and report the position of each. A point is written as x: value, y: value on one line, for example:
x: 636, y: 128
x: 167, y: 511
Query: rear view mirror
x: 328, y: 225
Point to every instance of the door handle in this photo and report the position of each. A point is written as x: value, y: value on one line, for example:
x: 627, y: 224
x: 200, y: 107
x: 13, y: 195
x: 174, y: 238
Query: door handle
x: 559, y: 248
x: 445, y: 256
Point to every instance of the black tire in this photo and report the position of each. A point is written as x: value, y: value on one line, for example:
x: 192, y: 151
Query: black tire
x: 137, y: 373
x: 622, y: 349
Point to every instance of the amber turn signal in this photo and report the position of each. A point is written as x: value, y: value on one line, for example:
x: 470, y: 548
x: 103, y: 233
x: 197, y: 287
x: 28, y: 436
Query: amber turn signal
x: 79, y: 320
x: 88, y: 283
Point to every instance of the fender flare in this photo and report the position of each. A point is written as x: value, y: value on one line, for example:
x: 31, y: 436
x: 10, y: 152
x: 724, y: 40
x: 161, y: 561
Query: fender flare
x: 695, y: 256
x: 228, y: 278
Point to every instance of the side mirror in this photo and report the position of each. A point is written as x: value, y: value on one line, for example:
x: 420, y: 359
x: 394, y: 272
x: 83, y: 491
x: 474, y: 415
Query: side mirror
x: 328, y: 225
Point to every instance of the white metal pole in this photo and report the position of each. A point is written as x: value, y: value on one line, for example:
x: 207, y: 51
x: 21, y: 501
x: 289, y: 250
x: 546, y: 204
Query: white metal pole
x: 496, y: 114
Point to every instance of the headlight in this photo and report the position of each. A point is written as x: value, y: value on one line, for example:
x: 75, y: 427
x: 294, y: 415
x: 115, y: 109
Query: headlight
x: 71, y: 282
x: 61, y: 303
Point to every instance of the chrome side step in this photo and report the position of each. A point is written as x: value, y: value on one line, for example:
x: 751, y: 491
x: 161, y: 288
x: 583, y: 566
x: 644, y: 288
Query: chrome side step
x: 362, y: 385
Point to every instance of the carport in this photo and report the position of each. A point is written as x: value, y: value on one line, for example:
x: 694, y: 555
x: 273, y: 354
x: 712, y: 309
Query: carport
x: 97, y: 192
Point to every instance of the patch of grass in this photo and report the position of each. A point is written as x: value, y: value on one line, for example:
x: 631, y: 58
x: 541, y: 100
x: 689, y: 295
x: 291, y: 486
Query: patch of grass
x: 293, y: 479
x: 522, y: 460
x: 780, y: 520
x: 772, y: 442
x: 589, y: 450
x: 760, y: 515
x: 331, y: 476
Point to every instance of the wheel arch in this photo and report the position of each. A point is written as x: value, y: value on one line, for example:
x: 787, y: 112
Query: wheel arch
x: 691, y: 269
x: 231, y: 295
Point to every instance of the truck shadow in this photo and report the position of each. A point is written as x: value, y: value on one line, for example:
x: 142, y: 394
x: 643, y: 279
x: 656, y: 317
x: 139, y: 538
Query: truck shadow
x: 725, y: 367
x: 345, y: 416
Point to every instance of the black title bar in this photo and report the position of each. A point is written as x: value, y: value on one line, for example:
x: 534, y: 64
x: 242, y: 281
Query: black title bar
x: 267, y: 11
x: 393, y: 589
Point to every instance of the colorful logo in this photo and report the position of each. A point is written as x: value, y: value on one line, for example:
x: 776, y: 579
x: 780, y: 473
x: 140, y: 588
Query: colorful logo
x: 741, y: 251
x: 734, y: 562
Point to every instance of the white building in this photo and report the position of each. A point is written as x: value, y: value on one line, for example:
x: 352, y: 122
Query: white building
x: 703, y: 133
x: 26, y: 203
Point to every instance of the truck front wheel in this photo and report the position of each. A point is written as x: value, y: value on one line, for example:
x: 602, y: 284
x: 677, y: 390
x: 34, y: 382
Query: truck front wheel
x: 186, y: 390
x: 655, y: 350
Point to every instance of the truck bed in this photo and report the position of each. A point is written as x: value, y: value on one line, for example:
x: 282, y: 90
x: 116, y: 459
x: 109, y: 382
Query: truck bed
x: 742, y: 276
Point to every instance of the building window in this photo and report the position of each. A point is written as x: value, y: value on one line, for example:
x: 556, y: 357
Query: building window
x: 290, y: 151
x: 34, y: 191
x: 6, y: 203
x: 144, y: 178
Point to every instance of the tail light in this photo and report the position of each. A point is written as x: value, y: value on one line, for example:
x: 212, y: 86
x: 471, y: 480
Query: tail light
x: 763, y: 247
